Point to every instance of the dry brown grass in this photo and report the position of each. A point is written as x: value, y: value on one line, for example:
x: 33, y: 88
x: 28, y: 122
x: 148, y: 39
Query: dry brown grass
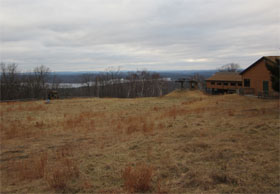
x: 195, y: 144
x: 62, y: 173
x: 138, y: 179
x: 30, y: 169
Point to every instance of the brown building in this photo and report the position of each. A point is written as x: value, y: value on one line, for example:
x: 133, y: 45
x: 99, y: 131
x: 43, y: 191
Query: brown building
x: 253, y: 80
x: 256, y: 78
x: 224, y: 82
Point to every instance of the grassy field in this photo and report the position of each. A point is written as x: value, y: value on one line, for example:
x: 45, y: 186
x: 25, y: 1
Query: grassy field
x: 185, y: 142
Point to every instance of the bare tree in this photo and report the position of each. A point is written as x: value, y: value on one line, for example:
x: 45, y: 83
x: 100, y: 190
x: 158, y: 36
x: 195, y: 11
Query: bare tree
x: 39, y: 81
x: 113, y: 79
x: 143, y: 75
x: 10, y: 81
x: 17, y: 85
x: 143, y: 84
x: 131, y: 85
x: 96, y: 86
x: 231, y: 67
x: 87, y: 80
x: 55, y: 82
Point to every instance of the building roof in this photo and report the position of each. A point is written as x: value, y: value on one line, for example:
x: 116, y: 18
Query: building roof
x: 268, y: 58
x: 225, y: 76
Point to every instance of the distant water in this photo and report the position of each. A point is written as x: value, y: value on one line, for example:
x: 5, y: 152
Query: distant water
x: 69, y: 85
x: 109, y: 82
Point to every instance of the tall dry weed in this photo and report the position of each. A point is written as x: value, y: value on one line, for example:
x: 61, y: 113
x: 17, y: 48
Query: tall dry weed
x: 83, y: 120
x: 132, y: 128
x: 29, y: 118
x: 138, y: 179
x: 61, y: 174
x: 39, y: 124
x: 31, y: 107
x: 63, y: 171
x: 64, y: 151
x: 230, y: 113
x: 148, y: 126
x: 16, y: 129
x: 33, y: 168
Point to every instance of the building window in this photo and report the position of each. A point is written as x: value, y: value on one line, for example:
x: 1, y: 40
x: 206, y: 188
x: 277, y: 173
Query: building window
x: 233, y: 84
x: 246, y: 82
x: 219, y: 83
x: 239, y: 83
x: 225, y: 83
x: 212, y: 83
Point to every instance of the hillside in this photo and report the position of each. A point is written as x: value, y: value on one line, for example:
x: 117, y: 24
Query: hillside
x: 183, y: 142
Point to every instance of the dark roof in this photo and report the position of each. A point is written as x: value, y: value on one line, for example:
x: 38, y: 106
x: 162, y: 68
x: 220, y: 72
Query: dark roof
x: 225, y: 76
x: 268, y: 58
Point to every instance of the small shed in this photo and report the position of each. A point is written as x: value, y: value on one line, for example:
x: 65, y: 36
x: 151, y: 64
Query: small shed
x: 53, y: 94
x: 181, y: 81
x: 193, y: 85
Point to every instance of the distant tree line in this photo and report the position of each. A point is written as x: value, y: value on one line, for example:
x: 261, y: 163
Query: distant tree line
x: 37, y: 84
x: 114, y: 84
x: 16, y: 85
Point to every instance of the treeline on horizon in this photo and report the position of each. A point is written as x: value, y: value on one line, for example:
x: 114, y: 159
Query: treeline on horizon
x: 112, y: 83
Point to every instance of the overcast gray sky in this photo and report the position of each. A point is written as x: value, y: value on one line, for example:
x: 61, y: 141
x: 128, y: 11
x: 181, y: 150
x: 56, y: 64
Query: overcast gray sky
x: 72, y: 35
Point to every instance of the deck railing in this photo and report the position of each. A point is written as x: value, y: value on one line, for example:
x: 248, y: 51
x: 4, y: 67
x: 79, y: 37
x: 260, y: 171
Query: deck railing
x: 246, y: 91
x: 268, y: 95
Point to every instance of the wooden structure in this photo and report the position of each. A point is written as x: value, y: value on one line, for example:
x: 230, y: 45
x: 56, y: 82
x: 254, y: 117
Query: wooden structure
x: 53, y: 94
x: 256, y: 78
x: 224, y: 82
x: 181, y: 81
x: 193, y: 85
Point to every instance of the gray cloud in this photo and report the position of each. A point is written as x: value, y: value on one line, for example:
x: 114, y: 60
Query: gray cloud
x: 135, y: 34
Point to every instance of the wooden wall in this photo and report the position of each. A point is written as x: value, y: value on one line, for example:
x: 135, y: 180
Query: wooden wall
x: 222, y: 86
x: 257, y: 74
